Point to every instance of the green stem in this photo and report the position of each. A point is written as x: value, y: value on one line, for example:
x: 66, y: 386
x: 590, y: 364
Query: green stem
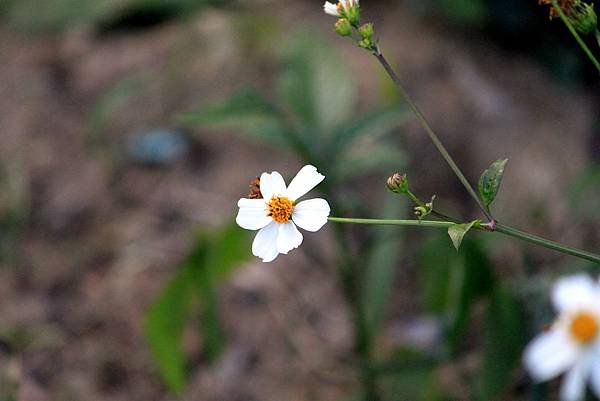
x: 434, y: 138
x: 573, y: 31
x: 534, y: 239
x: 501, y: 228
x: 387, y: 222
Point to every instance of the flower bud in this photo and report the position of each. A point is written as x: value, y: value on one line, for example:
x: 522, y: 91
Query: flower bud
x: 398, y: 183
x: 366, y: 31
x: 584, y: 18
x: 353, y: 14
x: 580, y: 14
x: 343, y: 27
x: 366, y: 44
x: 422, y: 211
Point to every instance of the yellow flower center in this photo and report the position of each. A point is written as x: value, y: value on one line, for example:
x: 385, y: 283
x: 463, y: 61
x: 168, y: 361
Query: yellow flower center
x: 280, y: 209
x: 340, y: 7
x: 584, y: 327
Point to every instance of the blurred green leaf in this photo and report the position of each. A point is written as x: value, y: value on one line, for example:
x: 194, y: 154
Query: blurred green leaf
x: 227, y: 250
x: 465, y: 11
x: 467, y: 285
x: 165, y: 322
x: 316, y: 87
x: 584, y: 192
x: 57, y: 15
x: 504, y: 340
x: 453, y: 282
x: 375, y: 125
x: 111, y: 102
x: 402, y: 359
x: 381, y: 267
x: 412, y: 377
x: 245, y: 112
x: 490, y: 180
x: 366, y: 159
x: 458, y: 231
x: 212, y: 259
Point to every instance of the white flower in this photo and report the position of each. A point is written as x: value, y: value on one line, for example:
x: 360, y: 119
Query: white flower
x: 338, y: 9
x: 572, y: 344
x: 277, y: 213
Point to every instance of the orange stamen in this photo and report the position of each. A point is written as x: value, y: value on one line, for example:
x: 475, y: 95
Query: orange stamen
x: 584, y: 327
x: 280, y: 209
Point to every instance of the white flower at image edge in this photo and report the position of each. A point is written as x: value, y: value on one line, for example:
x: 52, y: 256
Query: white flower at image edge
x: 277, y: 214
x: 336, y: 10
x: 572, y: 344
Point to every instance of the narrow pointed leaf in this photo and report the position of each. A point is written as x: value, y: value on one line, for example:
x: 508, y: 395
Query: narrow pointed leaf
x: 316, y: 86
x: 227, y: 250
x: 245, y: 112
x: 453, y: 282
x: 504, y: 340
x: 381, y: 269
x: 165, y: 322
x: 458, y: 231
x: 211, y: 260
x: 490, y: 180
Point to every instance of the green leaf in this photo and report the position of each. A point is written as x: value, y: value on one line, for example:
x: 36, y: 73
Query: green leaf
x: 367, y: 159
x: 453, y: 282
x: 413, y: 376
x: 246, y: 112
x: 213, y: 258
x: 466, y: 11
x: 316, y: 86
x: 227, y: 250
x: 504, y: 340
x: 381, y: 267
x: 584, y: 192
x: 458, y: 231
x: 102, y: 113
x: 490, y: 180
x: 165, y: 322
x: 374, y: 125
x: 472, y: 280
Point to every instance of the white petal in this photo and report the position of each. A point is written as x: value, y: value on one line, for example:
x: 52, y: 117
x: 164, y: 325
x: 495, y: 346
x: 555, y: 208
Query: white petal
x: 595, y: 374
x: 331, y: 9
x: 573, y: 292
x: 272, y: 184
x: 289, y: 237
x: 265, y: 242
x: 252, y: 214
x: 311, y: 214
x: 573, y: 385
x: 306, y: 179
x: 550, y: 354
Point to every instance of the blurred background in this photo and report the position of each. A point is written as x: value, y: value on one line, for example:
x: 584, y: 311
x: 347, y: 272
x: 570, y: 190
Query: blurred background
x: 130, y: 128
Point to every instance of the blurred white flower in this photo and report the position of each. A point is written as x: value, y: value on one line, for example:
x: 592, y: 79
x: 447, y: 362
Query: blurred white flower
x: 572, y: 343
x: 338, y: 10
x: 277, y: 214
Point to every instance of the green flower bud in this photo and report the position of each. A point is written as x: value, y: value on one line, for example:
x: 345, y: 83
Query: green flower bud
x: 343, y: 27
x: 366, y: 44
x: 366, y: 31
x: 580, y: 14
x: 398, y: 183
x: 425, y: 210
x: 353, y: 15
x: 584, y: 18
